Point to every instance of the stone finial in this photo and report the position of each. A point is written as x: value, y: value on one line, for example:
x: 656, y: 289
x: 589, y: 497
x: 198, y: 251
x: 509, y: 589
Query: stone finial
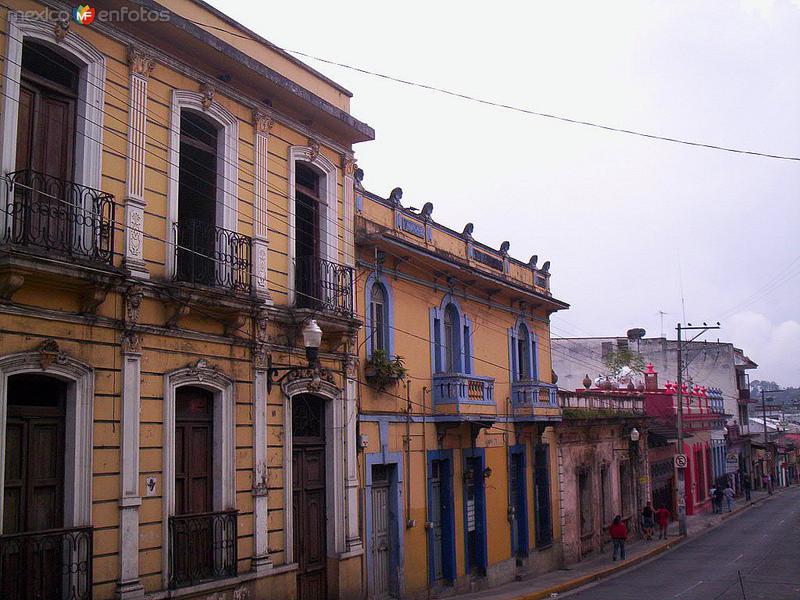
x: 426, y: 211
x: 533, y: 260
x: 139, y: 62
x: 359, y: 174
x: 207, y: 90
x: 468, y: 229
x: 262, y: 121
x: 396, y: 195
x: 546, y: 267
x: 587, y: 382
x: 504, y: 247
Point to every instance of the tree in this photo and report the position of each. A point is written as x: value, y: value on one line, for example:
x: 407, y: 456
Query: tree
x: 616, y: 360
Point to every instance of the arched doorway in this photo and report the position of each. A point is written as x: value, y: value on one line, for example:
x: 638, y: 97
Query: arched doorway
x: 308, y: 495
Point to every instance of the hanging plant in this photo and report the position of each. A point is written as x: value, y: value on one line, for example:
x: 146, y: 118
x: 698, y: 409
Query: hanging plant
x: 383, y: 371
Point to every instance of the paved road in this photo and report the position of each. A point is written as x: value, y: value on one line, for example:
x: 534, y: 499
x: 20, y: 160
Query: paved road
x: 763, y: 544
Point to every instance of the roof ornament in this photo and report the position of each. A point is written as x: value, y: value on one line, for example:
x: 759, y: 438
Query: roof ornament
x: 468, y: 229
x: 546, y: 267
x: 426, y: 211
x: 396, y: 195
x: 504, y: 248
x: 532, y: 262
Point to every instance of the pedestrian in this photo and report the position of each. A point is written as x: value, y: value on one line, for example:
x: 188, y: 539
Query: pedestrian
x: 719, y: 495
x: 746, y: 485
x: 662, y: 518
x: 618, y: 533
x: 713, y: 495
x: 769, y: 483
x: 648, y: 521
x: 729, y: 494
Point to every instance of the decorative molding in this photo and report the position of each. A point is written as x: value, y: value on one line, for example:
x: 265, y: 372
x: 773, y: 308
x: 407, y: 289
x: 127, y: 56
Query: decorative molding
x: 48, y: 359
x: 133, y: 305
x: 262, y: 121
x: 131, y: 342
x: 92, y: 298
x: 313, y: 149
x: 140, y: 63
x: 60, y: 30
x: 207, y: 92
x: 10, y: 283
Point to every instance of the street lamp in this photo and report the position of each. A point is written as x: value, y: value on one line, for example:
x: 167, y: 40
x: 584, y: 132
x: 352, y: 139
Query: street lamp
x: 312, y: 339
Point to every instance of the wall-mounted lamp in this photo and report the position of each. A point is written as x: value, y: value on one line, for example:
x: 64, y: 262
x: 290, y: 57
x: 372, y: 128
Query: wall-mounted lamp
x: 487, y: 472
x: 312, y: 339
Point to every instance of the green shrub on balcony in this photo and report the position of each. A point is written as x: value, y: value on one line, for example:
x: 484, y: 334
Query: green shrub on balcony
x: 382, y: 371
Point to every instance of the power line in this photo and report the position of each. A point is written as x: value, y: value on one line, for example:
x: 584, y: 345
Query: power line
x: 510, y: 107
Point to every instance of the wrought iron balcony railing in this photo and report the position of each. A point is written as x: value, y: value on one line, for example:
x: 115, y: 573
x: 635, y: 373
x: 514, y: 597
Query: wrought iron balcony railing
x: 46, y: 565
x: 202, y: 547
x: 323, y: 285
x: 212, y: 256
x: 61, y: 217
x: 457, y: 388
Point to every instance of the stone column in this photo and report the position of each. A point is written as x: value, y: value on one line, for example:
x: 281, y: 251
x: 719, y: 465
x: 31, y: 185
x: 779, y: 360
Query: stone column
x: 262, y: 124
x: 261, y: 558
x: 129, y: 587
x: 352, y: 538
x: 141, y: 66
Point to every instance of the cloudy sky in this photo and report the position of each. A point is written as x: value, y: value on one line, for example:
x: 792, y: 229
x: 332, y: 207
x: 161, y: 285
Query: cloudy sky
x: 632, y: 226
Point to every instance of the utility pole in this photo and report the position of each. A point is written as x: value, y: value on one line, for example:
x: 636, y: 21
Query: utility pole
x: 766, y: 445
x: 682, y: 470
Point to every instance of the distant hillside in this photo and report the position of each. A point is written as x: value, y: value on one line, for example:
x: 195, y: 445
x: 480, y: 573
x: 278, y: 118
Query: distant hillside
x: 774, y: 395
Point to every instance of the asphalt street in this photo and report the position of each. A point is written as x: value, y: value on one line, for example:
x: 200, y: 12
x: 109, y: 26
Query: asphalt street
x: 762, y: 546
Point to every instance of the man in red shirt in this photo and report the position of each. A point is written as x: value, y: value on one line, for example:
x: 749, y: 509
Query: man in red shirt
x: 662, y: 518
x: 618, y: 533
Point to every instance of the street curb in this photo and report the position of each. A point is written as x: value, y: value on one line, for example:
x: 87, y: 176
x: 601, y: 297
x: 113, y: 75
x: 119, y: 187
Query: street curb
x: 603, y: 573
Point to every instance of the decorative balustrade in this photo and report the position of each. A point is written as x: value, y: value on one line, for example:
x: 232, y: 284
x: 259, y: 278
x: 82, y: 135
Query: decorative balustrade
x: 602, y: 404
x: 457, y: 388
x: 202, y: 547
x: 55, y: 564
x: 212, y: 256
x: 323, y: 285
x: 528, y: 392
x: 61, y: 217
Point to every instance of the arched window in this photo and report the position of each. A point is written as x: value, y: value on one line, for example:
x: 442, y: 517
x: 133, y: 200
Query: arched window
x: 523, y: 350
x: 379, y: 320
x: 452, y: 340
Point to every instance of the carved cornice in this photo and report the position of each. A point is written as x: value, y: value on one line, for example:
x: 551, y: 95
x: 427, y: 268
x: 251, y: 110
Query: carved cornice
x: 140, y: 63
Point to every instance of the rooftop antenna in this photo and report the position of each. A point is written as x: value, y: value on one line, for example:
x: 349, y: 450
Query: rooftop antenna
x: 662, y: 313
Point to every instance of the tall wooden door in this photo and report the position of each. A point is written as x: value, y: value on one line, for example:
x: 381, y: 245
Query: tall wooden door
x: 308, y: 496
x: 194, y: 443
x: 34, y: 484
x: 437, y: 549
x: 45, y: 144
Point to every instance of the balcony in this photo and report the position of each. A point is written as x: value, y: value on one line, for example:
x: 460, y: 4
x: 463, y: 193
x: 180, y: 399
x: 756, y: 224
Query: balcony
x: 202, y: 547
x: 323, y: 285
x: 60, y: 218
x: 54, y: 565
x: 212, y: 256
x: 529, y: 392
x: 597, y: 405
x: 459, y: 388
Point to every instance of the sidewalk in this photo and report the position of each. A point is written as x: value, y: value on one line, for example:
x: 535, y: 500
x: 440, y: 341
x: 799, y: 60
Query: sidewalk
x: 601, y: 566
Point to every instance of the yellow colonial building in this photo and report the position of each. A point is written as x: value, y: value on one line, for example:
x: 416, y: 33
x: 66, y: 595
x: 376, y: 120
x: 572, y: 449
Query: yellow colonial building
x: 458, y: 458
x: 177, y: 224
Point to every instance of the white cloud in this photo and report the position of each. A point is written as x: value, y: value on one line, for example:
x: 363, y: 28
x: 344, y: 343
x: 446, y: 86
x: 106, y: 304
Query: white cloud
x: 775, y: 347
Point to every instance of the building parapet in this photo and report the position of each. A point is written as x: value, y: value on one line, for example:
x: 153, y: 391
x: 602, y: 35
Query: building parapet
x: 601, y: 403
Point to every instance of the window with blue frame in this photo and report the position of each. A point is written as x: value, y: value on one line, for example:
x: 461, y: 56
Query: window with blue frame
x: 378, y: 316
x: 524, y: 355
x: 451, y: 339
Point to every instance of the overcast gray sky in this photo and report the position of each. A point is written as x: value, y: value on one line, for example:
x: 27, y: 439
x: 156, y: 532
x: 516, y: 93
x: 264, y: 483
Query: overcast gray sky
x: 626, y: 222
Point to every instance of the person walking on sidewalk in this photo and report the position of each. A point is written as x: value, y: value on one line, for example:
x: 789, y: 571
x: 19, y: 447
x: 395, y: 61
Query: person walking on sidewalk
x: 662, y: 517
x: 729, y: 494
x: 618, y: 533
x: 648, y: 521
x: 746, y: 485
x: 713, y: 494
x: 719, y: 495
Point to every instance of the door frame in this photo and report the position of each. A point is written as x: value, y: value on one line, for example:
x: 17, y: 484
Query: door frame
x: 448, y: 542
x: 78, y: 425
x: 522, y: 483
x: 480, y: 509
x: 335, y: 509
x: 397, y: 554
x: 224, y: 490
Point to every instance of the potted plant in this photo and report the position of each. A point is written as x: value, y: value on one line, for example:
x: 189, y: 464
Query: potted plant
x: 382, y: 371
